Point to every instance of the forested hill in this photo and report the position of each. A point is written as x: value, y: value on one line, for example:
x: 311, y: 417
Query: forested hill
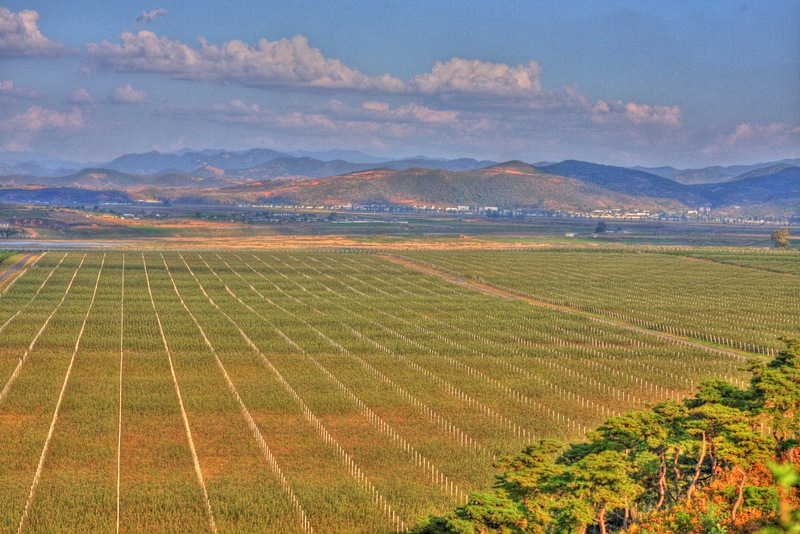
x: 723, y: 461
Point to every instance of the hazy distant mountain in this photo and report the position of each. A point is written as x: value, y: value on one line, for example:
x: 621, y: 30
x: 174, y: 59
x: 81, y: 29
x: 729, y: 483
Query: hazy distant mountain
x: 12, y: 162
x: 314, y: 168
x: 264, y: 163
x: 709, y: 175
x: 298, y: 167
x: 345, y: 155
x: 752, y: 189
x: 765, y: 171
x: 97, y: 178
x: 623, y: 180
x: 155, y: 162
x: 460, y: 164
x: 664, y: 172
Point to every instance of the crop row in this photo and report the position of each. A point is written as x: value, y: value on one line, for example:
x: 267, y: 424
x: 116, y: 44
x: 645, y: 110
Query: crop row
x: 743, y: 308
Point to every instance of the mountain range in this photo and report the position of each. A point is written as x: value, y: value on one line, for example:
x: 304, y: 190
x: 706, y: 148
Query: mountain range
x: 261, y: 175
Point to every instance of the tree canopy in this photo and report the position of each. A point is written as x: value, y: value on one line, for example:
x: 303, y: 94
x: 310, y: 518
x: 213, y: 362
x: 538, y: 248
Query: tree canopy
x: 781, y: 237
x: 721, y: 461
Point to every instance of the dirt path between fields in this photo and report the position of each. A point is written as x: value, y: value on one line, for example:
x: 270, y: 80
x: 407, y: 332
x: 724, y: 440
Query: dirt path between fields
x: 16, y: 267
x: 489, y: 290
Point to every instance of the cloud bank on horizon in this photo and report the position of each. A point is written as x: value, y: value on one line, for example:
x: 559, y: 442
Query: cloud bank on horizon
x: 286, y: 93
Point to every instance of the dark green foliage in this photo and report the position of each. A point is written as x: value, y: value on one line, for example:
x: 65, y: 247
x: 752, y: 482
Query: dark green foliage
x: 644, y: 463
x: 490, y: 512
x: 776, y: 388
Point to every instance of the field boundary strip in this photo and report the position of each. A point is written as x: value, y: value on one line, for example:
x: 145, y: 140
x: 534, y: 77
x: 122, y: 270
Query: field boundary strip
x: 509, y: 294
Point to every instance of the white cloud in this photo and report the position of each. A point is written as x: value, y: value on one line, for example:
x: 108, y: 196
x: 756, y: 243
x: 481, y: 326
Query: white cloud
x: 37, y: 118
x: 373, y: 105
x: 20, y: 36
x: 9, y: 90
x: 412, y: 111
x: 149, y: 16
x: 472, y: 76
x: 638, y: 114
x: 81, y: 96
x: 19, y: 131
x: 479, y: 90
x: 128, y: 95
x: 283, y: 63
x: 644, y: 113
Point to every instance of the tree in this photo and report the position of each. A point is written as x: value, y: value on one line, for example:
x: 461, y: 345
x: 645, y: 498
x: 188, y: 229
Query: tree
x: 485, y: 513
x: 780, y: 237
x: 526, y: 476
x: 776, y: 388
x: 646, y: 438
x: 593, y: 487
x: 601, y: 228
x: 696, y: 466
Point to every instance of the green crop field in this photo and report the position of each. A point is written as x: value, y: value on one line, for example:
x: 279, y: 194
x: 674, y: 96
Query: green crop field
x: 334, y: 392
x: 744, y: 301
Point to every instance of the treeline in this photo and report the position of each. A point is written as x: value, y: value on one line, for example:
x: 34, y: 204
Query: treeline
x: 722, y: 461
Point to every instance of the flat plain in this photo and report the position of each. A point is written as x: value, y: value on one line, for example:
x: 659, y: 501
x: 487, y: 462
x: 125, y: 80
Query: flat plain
x: 306, y: 391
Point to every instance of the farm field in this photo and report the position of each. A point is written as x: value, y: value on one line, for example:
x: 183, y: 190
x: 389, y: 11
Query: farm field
x: 743, y: 301
x: 254, y: 391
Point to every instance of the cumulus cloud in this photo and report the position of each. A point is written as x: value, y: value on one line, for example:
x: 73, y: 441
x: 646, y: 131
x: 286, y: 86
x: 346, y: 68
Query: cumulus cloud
x: 81, y: 96
x: 639, y: 114
x: 293, y: 63
x: 9, y: 90
x: 149, y: 16
x: 282, y: 63
x: 467, y: 86
x: 413, y: 112
x: 473, y: 76
x: 37, y: 118
x: 128, y: 95
x: 20, y: 36
x: 373, y: 105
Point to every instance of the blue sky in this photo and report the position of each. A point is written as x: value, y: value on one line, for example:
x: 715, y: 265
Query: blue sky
x: 688, y: 84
